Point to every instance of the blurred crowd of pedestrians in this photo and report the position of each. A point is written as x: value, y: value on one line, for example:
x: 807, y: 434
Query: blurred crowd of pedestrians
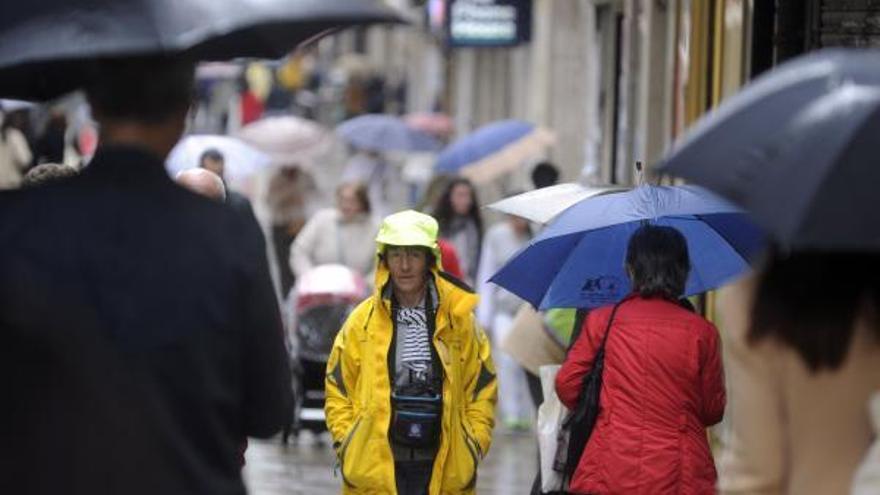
x: 145, y: 331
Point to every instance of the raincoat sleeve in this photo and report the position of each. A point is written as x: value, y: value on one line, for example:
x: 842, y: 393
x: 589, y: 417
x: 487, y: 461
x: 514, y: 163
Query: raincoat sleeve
x: 481, y: 388
x: 578, y: 362
x: 712, y: 380
x: 343, y: 371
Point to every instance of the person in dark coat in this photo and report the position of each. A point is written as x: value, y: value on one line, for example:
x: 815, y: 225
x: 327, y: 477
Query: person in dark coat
x: 663, y: 383
x: 142, y: 337
x: 213, y: 160
x: 49, y: 147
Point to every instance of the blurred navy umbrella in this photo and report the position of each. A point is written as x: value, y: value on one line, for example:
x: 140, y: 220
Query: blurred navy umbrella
x: 46, y: 45
x: 578, y: 260
x: 797, y: 150
x: 378, y: 132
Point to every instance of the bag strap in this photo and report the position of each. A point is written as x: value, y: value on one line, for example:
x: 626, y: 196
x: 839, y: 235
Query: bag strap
x: 608, y: 327
x: 580, y: 410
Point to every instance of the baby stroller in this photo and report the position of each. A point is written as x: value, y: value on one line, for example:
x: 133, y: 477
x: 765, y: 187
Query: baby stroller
x: 319, y: 304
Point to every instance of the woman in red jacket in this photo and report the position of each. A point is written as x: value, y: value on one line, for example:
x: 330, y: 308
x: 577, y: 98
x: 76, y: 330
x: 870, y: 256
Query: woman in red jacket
x: 662, y: 384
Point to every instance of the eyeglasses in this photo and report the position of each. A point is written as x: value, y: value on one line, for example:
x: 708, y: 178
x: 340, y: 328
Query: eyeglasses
x: 398, y: 253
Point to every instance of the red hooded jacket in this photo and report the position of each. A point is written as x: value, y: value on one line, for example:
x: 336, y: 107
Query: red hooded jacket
x: 662, y: 386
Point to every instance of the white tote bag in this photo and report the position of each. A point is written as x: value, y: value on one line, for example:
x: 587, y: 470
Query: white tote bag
x: 551, y: 414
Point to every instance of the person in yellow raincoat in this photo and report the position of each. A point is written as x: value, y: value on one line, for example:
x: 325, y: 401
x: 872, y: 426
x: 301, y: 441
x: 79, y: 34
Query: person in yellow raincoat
x: 410, y: 385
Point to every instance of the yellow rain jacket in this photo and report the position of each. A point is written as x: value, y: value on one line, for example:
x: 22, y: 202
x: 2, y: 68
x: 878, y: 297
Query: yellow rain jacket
x: 358, y: 388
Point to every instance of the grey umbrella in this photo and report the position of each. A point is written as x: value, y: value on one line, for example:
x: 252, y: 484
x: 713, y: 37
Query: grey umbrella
x: 797, y: 150
x: 816, y: 185
x: 44, y: 44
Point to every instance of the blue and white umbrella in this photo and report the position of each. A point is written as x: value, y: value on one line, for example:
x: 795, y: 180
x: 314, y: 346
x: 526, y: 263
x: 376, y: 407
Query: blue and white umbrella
x: 494, y: 149
x: 578, y: 260
x: 377, y: 132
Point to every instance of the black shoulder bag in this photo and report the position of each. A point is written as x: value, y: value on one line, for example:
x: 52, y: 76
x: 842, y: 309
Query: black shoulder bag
x: 578, y: 425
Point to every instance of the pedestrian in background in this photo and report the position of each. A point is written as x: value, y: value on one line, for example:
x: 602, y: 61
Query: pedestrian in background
x: 544, y: 174
x: 496, y: 311
x: 15, y: 152
x: 291, y: 190
x: 458, y: 213
x: 214, y: 161
x: 338, y: 235
x: 449, y: 259
x: 662, y: 383
x: 371, y: 168
x: 51, y: 145
x: 140, y: 324
x: 204, y: 182
x: 410, y: 384
x: 803, y: 358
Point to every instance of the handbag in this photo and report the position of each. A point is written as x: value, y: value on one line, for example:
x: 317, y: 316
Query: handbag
x: 578, y: 425
x: 551, y: 415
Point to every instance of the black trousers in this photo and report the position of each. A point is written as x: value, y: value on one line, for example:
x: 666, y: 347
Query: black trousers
x: 413, y: 477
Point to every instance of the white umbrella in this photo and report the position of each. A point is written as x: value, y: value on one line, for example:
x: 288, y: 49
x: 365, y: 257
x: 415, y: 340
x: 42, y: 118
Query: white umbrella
x: 288, y: 140
x: 542, y: 205
x: 240, y: 159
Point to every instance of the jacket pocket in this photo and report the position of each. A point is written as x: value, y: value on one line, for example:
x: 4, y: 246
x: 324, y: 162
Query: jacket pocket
x: 343, y: 450
x: 473, y: 450
x: 460, y: 472
x: 472, y: 440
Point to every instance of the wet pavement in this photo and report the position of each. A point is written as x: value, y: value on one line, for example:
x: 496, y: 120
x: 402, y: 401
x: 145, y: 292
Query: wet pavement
x: 305, y: 467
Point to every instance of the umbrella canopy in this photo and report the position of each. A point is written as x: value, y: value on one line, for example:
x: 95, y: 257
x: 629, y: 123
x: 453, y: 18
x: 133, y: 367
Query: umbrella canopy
x: 494, y: 149
x: 14, y: 105
x: 45, y: 46
x: 377, y: 132
x: 288, y: 140
x: 812, y: 183
x: 240, y: 160
x: 738, y: 151
x: 543, y: 205
x: 578, y: 260
x: 752, y: 118
x: 436, y: 124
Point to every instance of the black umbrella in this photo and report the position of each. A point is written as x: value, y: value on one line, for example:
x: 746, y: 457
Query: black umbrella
x: 798, y: 149
x: 45, y: 44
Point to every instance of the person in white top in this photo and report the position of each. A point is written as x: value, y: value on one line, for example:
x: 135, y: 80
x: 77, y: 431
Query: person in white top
x: 496, y: 311
x: 15, y: 154
x: 340, y: 235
